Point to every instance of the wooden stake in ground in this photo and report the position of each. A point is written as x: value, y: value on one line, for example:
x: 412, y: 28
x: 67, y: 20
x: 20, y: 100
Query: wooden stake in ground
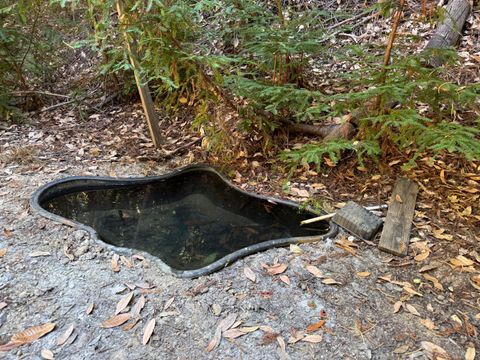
x: 388, y: 51
x: 396, y: 229
x: 449, y: 29
x: 142, y: 86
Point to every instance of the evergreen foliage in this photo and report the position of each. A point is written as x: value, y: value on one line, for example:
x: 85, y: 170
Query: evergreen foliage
x: 257, y: 57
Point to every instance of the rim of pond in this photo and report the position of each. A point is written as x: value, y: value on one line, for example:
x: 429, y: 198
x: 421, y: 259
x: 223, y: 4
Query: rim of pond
x: 70, y: 184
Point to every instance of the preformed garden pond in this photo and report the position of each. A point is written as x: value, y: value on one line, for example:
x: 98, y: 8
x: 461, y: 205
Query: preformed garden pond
x: 193, y: 220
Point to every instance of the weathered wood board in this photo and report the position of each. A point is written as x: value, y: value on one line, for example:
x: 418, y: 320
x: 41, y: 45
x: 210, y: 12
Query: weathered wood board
x: 398, y: 223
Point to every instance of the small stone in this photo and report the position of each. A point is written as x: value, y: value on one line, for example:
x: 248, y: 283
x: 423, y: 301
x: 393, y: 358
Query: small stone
x: 217, y: 309
x: 81, y: 250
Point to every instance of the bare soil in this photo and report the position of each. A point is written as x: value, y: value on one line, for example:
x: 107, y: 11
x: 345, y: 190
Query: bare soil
x: 377, y: 307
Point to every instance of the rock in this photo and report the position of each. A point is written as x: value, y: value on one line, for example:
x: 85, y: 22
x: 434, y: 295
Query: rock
x: 78, y: 235
x: 217, y: 309
x: 82, y: 249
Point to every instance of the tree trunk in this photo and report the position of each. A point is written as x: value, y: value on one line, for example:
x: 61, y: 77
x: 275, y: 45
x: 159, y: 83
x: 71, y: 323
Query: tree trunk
x: 448, y: 30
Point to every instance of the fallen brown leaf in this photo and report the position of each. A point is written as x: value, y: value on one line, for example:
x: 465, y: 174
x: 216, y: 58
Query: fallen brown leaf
x: 126, y: 262
x: 429, y: 324
x: 314, y: 271
x: 363, y: 274
x: 475, y: 281
x: 428, y: 267
x: 315, y: 326
x: 409, y: 290
x: 3, y: 305
x: 330, y: 281
x: 285, y: 279
x: 295, y: 249
x: 116, y: 320
x: 32, y: 333
x: 147, y: 333
x: 268, y: 338
x: 312, y: 338
x: 411, y: 309
x: 297, y: 335
x: 276, y: 269
x: 401, y: 349
x: 114, y: 263
x: 422, y: 256
x: 168, y: 303
x: 249, y: 274
x: 64, y: 337
x: 3, y: 251
x: 233, y: 333
x: 397, y: 306
x: 131, y: 324
x: 249, y: 329
x: 138, y: 257
x: 144, y: 285
x: 89, y: 309
x: 137, y: 308
x: 439, y: 234
x: 8, y: 233
x: 224, y: 325
x: 434, y: 280
x: 434, y: 349
x: 470, y: 354
x: 10, y: 345
x: 461, y: 261
x: 123, y: 303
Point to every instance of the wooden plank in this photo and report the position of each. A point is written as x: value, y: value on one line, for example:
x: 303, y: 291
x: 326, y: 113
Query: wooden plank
x: 396, y: 229
x: 142, y: 85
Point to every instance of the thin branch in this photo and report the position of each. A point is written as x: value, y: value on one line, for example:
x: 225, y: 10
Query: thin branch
x: 356, y: 17
x: 353, y: 26
x: 37, y: 92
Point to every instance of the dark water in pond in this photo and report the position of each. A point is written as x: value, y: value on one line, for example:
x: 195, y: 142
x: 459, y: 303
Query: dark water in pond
x: 189, y: 220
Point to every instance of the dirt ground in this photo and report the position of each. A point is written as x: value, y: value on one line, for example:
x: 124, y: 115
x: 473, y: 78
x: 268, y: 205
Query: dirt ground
x: 338, y: 299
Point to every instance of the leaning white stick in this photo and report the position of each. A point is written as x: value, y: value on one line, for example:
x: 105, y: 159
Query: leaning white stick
x: 328, y: 216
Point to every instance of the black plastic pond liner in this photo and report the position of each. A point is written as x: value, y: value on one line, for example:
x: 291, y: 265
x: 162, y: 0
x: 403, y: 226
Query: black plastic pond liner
x: 190, y: 222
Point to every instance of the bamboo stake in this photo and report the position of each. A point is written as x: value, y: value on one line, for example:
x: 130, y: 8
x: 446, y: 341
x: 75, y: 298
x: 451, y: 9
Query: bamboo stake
x: 328, y: 216
x: 391, y: 38
x: 142, y: 85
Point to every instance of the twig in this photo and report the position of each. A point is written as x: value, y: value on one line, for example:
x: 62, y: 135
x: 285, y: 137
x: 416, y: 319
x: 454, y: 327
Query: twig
x: 173, y: 152
x: 31, y: 92
x: 79, y: 99
x: 357, y: 24
x: 334, y: 26
x: 56, y: 106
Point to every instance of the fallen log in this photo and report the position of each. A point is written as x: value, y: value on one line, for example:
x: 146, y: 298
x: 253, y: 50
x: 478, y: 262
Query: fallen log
x: 327, y: 132
x: 448, y: 31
